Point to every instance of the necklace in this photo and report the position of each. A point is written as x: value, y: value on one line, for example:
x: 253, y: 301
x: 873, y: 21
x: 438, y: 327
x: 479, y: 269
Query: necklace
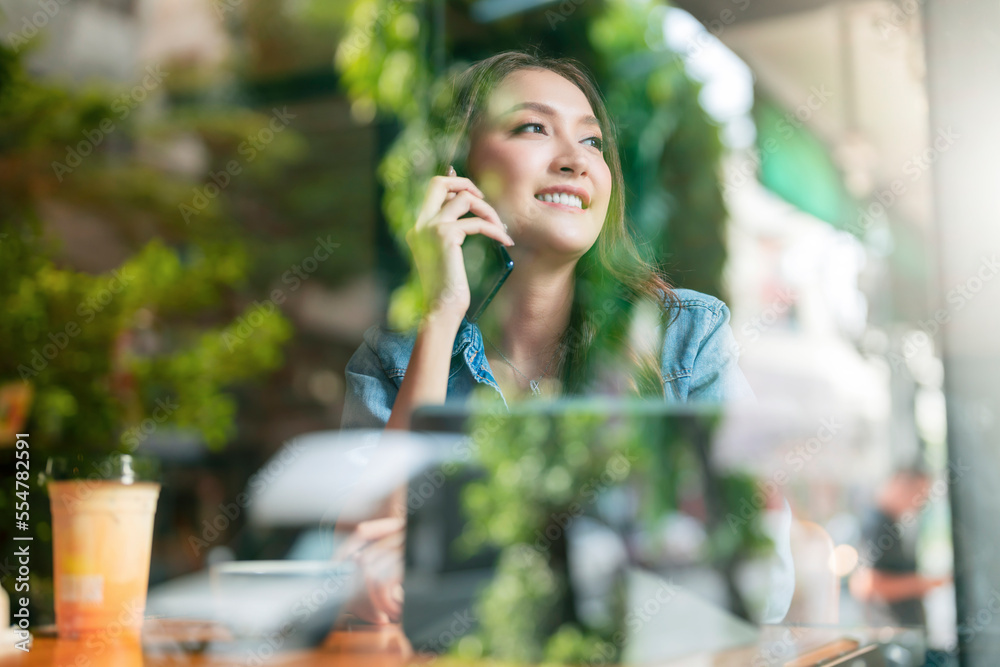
x: 535, y: 389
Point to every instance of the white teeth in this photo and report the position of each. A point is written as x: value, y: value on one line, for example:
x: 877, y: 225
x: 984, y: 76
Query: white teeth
x: 561, y: 198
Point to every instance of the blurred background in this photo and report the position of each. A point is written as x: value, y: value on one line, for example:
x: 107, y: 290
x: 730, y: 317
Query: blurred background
x: 202, y: 205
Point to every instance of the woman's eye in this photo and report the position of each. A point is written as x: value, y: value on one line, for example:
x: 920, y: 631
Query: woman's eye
x: 598, y: 143
x: 532, y: 128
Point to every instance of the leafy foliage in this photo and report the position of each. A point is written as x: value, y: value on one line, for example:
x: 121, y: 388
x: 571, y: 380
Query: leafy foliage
x: 539, y: 467
x: 543, y: 472
x: 103, y: 351
x: 670, y: 151
x: 670, y: 148
x: 157, y: 342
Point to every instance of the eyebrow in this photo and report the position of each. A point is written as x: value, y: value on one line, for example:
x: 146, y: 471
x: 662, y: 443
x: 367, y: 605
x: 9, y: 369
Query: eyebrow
x: 548, y: 111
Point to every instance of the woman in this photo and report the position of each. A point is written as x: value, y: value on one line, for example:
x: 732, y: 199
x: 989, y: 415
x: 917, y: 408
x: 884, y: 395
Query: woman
x: 542, y: 176
x: 529, y: 130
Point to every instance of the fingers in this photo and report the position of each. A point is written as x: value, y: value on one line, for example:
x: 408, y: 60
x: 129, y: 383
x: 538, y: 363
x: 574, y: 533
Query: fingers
x: 378, y: 528
x: 470, y: 226
x: 368, y: 532
x: 440, y: 231
x: 455, y: 233
x: 384, y: 599
x: 449, y: 198
x: 383, y: 568
x: 438, y: 190
x: 465, y: 202
x: 363, y: 608
x: 377, y: 547
x: 451, y: 173
x: 386, y: 543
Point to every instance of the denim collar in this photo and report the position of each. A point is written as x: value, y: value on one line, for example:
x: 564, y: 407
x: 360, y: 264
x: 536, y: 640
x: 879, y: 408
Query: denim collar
x: 468, y: 335
x: 470, y: 346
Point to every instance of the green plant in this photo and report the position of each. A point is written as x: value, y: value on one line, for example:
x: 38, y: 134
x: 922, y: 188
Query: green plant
x: 670, y: 148
x: 541, y: 473
x: 102, y: 349
x: 155, y: 341
x: 671, y: 152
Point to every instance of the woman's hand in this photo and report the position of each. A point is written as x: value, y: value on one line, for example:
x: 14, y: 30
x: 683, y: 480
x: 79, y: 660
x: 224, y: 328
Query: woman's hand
x: 436, y: 240
x: 377, y: 547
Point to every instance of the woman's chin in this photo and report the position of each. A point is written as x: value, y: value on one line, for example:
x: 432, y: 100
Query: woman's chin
x: 572, y: 244
x: 556, y: 239
x: 562, y: 249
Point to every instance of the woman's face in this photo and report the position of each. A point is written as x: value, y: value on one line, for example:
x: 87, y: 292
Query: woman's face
x: 539, y: 139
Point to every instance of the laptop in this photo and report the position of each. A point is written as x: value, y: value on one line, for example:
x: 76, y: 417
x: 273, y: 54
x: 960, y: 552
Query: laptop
x: 677, y: 603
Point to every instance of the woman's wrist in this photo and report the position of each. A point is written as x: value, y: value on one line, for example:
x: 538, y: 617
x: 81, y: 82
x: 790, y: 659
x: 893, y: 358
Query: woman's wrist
x: 426, y: 378
x: 442, y: 321
x: 436, y: 338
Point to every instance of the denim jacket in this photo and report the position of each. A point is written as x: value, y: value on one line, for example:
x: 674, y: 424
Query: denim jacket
x: 698, y: 362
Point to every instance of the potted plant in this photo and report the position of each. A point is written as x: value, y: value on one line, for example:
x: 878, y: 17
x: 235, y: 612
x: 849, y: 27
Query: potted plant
x: 95, y: 361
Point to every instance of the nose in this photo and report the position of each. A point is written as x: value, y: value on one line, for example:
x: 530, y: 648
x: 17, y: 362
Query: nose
x: 570, y: 160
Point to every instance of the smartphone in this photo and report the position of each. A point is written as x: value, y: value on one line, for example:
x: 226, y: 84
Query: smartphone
x: 487, y: 265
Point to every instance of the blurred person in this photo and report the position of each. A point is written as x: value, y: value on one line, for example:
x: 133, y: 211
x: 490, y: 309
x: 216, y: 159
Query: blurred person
x: 582, y: 311
x: 889, y: 582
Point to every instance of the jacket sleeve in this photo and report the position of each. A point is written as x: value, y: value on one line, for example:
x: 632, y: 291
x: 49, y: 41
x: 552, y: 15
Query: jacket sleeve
x: 369, y: 393
x: 716, y: 376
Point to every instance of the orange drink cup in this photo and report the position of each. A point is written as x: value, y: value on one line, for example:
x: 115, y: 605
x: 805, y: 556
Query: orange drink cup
x: 102, y: 535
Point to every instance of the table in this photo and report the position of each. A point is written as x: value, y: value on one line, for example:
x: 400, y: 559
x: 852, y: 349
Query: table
x: 358, y: 647
x: 363, y: 646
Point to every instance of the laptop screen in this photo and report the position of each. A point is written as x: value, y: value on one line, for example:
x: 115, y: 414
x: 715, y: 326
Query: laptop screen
x: 578, y: 493
x: 609, y: 531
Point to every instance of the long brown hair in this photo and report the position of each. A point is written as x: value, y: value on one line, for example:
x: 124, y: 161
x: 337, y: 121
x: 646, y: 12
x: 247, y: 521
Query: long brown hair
x: 613, y: 276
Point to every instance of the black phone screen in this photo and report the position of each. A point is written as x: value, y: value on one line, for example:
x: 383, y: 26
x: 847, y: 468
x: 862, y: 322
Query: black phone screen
x: 487, y: 265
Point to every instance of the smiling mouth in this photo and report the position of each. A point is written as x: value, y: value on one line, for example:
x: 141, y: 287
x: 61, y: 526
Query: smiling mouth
x: 571, y: 201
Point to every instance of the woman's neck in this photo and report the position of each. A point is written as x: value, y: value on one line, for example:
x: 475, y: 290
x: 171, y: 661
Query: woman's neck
x: 530, y: 313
